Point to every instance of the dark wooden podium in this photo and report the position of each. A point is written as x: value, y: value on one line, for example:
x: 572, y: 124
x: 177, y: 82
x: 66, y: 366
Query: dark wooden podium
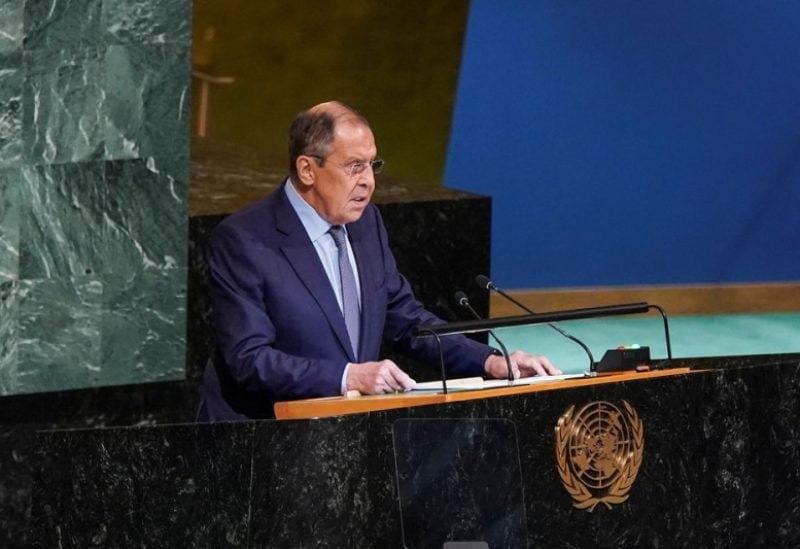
x: 704, y: 455
x: 359, y: 404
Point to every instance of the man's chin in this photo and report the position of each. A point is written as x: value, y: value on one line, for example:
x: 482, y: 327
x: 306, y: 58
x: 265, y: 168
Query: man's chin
x: 354, y: 213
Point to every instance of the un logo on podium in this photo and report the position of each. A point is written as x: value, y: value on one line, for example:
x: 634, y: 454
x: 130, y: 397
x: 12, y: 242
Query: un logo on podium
x: 598, y: 453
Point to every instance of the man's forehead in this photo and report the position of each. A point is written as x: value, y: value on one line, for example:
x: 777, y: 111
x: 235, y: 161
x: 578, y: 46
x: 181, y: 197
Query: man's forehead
x: 351, y: 126
x: 353, y: 148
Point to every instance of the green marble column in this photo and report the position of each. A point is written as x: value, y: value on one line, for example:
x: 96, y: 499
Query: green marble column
x: 94, y: 103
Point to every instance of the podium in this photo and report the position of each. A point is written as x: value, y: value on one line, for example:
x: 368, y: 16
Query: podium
x: 342, y: 405
x: 706, y: 454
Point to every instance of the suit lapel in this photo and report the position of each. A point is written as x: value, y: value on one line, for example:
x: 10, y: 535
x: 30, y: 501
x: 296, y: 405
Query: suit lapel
x: 301, y: 255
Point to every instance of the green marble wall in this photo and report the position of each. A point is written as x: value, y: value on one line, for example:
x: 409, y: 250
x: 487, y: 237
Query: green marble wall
x: 94, y: 106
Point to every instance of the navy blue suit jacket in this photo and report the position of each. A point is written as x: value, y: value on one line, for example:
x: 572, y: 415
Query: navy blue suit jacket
x: 280, y: 333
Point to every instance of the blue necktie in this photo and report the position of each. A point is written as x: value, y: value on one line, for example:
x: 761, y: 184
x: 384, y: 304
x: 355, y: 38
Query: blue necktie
x: 349, y: 288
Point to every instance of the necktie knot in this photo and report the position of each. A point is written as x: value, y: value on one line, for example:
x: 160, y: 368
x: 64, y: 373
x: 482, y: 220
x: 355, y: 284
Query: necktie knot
x: 337, y: 232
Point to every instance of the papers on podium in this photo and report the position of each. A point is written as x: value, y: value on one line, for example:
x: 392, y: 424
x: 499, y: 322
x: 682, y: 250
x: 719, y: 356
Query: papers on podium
x: 478, y: 383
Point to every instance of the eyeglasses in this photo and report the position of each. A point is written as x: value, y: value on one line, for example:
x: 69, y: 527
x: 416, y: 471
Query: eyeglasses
x: 355, y: 168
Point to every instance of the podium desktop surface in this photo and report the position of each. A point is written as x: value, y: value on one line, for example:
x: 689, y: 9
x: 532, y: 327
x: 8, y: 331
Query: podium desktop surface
x: 342, y: 405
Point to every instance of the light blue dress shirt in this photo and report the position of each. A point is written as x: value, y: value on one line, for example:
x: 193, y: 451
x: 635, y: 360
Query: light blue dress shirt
x: 317, y: 229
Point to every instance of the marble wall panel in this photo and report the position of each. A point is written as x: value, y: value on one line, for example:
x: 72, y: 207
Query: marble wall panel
x: 9, y: 293
x: 62, y: 24
x: 59, y: 333
x: 11, y: 16
x: 62, y: 233
x: 147, y: 22
x: 100, y: 218
x: 11, y: 78
x: 63, y: 99
x: 94, y: 182
x: 146, y: 107
x: 99, y: 241
x: 143, y: 328
x: 144, y: 218
x: 109, y: 103
x: 144, y: 310
x: 9, y: 223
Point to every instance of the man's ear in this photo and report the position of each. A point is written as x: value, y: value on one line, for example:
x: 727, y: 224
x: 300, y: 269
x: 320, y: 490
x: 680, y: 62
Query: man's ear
x: 305, y: 170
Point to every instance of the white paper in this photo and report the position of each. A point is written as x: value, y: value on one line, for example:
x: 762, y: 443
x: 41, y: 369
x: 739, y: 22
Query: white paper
x: 477, y: 384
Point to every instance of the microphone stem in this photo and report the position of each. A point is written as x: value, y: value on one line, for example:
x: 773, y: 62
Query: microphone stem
x: 505, y: 355
x: 466, y: 304
x: 491, y: 286
x: 441, y: 360
x: 511, y: 299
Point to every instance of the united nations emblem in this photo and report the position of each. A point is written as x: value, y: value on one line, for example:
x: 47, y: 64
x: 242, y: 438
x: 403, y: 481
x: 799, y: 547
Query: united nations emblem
x: 598, y: 453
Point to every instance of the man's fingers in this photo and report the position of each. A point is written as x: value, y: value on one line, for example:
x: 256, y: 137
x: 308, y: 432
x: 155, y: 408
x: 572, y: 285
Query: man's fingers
x: 396, y: 379
x: 405, y: 382
x: 548, y: 366
x: 385, y: 377
x: 537, y: 368
x: 535, y: 364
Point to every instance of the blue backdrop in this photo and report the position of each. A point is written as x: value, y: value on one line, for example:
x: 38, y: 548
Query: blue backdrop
x: 633, y: 142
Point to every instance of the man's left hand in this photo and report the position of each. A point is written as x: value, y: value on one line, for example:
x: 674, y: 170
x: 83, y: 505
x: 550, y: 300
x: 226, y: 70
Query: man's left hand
x: 522, y: 365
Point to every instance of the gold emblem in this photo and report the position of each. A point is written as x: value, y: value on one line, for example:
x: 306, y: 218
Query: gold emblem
x: 599, y: 452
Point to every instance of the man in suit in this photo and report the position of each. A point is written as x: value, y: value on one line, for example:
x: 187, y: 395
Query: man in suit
x: 304, y: 288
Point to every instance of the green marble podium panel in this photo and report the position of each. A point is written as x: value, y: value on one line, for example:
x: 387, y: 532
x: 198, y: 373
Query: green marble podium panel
x: 94, y: 99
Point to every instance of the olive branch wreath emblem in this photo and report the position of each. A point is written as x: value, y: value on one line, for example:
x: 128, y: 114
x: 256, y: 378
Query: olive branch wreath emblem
x: 626, y: 463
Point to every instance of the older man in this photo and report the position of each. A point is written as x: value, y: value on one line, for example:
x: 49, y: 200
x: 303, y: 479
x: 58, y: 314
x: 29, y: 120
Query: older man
x: 305, y: 289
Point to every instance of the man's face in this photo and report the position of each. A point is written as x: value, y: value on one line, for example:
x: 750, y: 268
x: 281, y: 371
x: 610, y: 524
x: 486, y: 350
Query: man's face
x: 338, y: 197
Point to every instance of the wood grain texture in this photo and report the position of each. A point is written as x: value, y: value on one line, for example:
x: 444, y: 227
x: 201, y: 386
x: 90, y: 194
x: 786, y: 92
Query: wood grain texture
x: 677, y: 300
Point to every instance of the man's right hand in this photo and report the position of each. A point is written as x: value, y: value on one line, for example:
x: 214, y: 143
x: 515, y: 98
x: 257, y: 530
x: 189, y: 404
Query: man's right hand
x: 371, y: 378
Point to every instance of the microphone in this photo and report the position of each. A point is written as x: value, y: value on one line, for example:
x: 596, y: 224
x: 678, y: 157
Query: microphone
x: 485, y: 283
x: 462, y: 299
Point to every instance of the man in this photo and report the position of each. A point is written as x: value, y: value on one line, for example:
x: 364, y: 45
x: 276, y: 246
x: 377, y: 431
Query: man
x: 304, y: 288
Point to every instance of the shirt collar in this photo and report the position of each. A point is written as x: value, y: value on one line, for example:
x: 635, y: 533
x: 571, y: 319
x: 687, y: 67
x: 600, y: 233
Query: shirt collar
x: 313, y: 223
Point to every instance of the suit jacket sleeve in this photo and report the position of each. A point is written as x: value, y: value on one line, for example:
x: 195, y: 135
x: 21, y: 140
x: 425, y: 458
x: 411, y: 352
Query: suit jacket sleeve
x: 463, y: 357
x: 247, y: 336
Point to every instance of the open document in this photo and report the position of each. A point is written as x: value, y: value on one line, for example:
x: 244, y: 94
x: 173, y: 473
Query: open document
x: 478, y: 383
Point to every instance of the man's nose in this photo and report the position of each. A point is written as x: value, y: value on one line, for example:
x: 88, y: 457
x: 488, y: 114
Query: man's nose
x: 367, y: 177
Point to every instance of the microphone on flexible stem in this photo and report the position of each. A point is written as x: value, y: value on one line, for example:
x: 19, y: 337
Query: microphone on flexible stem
x: 462, y: 299
x: 485, y: 283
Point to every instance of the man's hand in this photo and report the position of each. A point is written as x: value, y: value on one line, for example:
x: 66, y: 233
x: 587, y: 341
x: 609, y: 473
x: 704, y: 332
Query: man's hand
x: 371, y: 378
x: 522, y: 365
